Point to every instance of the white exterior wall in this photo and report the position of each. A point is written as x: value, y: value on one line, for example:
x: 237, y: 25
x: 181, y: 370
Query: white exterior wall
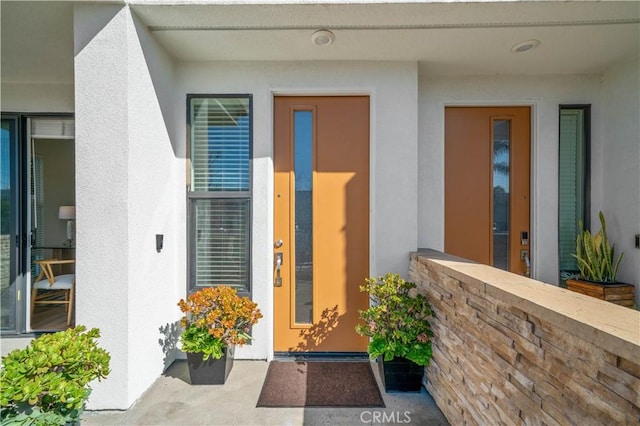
x: 36, y: 97
x: 617, y: 154
x: 130, y: 186
x: 393, y: 91
x: 156, y: 206
x: 102, y: 170
x: 544, y: 94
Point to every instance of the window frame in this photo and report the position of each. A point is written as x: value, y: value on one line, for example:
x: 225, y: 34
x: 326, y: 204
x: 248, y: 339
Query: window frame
x: 586, y: 162
x: 193, y: 196
x: 21, y: 213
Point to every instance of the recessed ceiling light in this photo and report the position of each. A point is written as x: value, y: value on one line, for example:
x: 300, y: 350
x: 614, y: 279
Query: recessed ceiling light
x: 525, y: 46
x: 322, y: 38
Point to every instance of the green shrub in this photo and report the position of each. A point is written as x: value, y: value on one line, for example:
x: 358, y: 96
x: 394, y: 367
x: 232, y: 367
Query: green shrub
x: 47, y: 382
x: 596, y: 257
x: 397, y: 322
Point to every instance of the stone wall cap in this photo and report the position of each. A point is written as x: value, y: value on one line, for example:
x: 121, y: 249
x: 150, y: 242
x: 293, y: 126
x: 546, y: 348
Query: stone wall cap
x: 613, y: 327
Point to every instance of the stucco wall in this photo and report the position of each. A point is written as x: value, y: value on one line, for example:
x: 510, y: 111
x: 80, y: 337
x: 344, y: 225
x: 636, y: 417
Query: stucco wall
x: 156, y: 206
x: 36, y: 97
x: 102, y: 208
x: 617, y: 154
x: 544, y: 94
x: 393, y: 91
x: 511, y: 350
x: 130, y: 184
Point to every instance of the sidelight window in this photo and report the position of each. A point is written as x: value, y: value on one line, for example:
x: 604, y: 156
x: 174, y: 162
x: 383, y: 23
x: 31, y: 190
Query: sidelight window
x: 573, y: 179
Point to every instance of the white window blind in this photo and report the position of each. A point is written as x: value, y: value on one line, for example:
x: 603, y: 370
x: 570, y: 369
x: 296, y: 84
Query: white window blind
x: 53, y: 128
x: 220, y: 191
x: 222, y: 242
x: 220, y: 144
x: 37, y: 212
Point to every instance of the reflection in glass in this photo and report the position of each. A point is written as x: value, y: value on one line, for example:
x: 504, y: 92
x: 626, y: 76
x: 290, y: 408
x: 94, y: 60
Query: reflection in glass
x: 303, y: 169
x: 501, y: 150
x: 7, y: 286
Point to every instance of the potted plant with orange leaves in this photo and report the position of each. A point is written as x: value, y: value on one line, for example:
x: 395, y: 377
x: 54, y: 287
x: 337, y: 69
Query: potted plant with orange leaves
x: 215, y: 320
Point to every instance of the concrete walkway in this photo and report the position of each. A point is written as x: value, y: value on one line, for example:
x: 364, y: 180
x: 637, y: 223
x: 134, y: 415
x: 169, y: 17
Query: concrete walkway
x: 173, y: 401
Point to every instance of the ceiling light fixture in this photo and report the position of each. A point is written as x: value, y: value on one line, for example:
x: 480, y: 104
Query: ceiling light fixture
x: 322, y: 38
x: 525, y: 46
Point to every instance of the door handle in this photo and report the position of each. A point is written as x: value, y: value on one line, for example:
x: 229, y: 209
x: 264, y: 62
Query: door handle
x: 524, y: 255
x: 278, y: 260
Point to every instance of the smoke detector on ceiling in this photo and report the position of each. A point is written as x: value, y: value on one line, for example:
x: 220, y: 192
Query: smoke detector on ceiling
x: 525, y: 46
x: 322, y: 38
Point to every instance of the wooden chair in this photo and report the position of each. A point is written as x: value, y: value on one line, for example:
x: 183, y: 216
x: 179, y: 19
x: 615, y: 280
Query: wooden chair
x: 49, y: 289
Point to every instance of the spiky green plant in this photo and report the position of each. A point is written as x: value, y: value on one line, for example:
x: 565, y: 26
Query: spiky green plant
x: 595, y: 256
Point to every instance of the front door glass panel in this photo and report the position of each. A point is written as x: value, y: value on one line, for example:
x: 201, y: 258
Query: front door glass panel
x: 303, y: 167
x: 501, y: 163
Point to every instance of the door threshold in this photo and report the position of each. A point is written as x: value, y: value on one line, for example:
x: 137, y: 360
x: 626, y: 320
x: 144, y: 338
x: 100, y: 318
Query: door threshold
x: 321, y: 356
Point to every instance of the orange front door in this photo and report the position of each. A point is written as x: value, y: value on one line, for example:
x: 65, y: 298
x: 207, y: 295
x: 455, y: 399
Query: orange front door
x: 487, y: 151
x: 321, y: 223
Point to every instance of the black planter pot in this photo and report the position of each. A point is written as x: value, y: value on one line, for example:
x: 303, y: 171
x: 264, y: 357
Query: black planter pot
x: 211, y: 371
x: 400, y: 374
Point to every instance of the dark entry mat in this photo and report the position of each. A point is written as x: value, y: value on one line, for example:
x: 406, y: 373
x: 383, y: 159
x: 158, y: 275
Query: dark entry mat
x: 320, y: 384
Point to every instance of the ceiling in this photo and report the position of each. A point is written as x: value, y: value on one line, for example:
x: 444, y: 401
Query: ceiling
x: 444, y: 38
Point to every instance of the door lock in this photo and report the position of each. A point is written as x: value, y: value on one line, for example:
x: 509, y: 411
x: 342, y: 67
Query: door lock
x: 279, y: 259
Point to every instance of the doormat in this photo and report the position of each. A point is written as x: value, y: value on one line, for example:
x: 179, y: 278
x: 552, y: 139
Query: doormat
x: 320, y: 384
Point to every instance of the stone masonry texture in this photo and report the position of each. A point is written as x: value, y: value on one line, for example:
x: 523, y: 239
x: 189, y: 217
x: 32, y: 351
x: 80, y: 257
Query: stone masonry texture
x: 499, y: 358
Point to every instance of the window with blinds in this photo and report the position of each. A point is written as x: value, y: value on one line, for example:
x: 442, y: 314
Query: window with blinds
x: 220, y: 191
x: 572, y: 184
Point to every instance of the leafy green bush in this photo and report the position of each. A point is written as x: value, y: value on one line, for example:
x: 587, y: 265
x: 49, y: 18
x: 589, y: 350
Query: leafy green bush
x: 397, y: 322
x: 47, y: 382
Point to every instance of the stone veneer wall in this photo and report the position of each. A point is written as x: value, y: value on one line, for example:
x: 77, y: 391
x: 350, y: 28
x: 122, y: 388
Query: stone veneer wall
x: 511, y: 350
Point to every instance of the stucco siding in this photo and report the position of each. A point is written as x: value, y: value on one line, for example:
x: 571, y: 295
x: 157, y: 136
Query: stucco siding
x: 130, y: 184
x: 156, y: 197
x: 393, y: 91
x: 544, y: 94
x: 102, y: 203
x: 617, y: 152
x: 37, y: 97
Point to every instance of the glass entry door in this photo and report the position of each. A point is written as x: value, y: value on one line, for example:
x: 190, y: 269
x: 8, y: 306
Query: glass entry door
x: 9, y: 240
x: 37, y: 185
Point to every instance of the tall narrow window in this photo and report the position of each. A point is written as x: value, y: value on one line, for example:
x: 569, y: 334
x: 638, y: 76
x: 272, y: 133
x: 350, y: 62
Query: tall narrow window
x: 220, y: 191
x: 303, y: 167
x: 501, y: 178
x: 573, y: 188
